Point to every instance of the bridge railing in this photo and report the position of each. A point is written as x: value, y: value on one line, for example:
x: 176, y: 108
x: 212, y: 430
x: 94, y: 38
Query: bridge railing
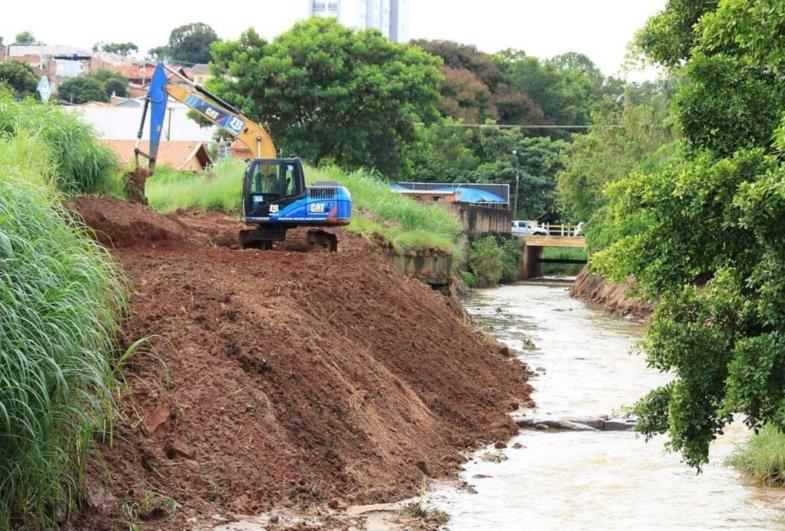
x: 563, y: 230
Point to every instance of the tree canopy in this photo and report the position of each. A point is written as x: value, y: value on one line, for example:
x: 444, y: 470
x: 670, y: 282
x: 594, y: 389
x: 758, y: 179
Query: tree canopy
x: 82, y: 89
x: 20, y: 77
x: 327, y: 92
x: 709, y: 234
x: 25, y: 37
x: 120, y: 48
x: 188, y: 44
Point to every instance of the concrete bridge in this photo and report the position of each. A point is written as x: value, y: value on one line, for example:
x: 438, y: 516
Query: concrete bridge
x: 534, y: 250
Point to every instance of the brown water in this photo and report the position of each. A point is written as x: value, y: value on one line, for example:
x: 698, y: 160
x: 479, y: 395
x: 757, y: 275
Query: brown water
x: 592, y: 480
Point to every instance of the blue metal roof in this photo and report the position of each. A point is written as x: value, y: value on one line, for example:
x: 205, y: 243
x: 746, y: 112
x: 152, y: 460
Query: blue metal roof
x: 465, y: 193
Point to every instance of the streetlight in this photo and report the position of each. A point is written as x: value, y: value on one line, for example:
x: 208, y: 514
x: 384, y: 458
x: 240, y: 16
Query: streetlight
x: 517, y: 180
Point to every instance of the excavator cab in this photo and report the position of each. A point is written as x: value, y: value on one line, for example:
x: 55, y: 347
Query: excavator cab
x: 269, y: 186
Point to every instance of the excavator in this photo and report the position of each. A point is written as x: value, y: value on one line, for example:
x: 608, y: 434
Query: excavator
x: 275, y: 197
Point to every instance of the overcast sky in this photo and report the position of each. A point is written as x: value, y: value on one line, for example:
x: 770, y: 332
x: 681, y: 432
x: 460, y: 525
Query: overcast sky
x: 599, y: 28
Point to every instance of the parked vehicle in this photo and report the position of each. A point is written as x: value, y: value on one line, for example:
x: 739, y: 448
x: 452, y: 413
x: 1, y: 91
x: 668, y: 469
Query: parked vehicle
x: 524, y: 228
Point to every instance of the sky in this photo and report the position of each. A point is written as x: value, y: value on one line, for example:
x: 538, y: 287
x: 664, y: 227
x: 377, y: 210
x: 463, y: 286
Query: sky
x: 601, y: 29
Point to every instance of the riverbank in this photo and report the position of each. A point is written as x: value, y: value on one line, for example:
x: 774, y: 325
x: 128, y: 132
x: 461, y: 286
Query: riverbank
x: 282, y: 379
x: 615, y: 298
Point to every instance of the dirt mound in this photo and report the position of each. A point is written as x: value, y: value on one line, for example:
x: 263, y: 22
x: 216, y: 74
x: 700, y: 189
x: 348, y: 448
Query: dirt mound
x: 120, y: 224
x: 292, y: 379
x: 614, y: 297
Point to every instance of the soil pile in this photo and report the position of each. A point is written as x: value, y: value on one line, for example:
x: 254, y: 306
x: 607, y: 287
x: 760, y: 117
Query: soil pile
x: 288, y: 379
x: 614, y: 297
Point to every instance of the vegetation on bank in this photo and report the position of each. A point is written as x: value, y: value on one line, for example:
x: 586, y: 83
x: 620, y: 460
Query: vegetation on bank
x: 378, y: 211
x: 695, y: 213
x: 762, y: 459
x: 493, y: 260
x: 61, y: 297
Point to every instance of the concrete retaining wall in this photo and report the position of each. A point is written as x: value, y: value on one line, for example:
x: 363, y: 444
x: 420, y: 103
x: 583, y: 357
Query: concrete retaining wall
x: 483, y: 219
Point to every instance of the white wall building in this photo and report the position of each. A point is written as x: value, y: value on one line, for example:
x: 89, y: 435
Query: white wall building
x: 391, y: 17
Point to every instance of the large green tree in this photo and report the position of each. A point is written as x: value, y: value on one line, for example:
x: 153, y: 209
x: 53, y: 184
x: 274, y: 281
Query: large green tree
x: 188, y: 44
x: 711, y: 233
x: 82, y: 89
x: 19, y: 76
x: 327, y: 92
x: 476, y: 90
x: 25, y: 37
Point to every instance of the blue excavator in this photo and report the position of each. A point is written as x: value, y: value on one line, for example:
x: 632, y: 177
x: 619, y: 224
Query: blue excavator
x: 275, y: 197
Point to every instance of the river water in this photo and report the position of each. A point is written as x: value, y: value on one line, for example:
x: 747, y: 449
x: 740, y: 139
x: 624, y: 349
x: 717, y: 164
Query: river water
x: 591, y: 480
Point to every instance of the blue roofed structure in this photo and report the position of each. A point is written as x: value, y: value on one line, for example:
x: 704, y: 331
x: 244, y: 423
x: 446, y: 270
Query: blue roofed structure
x: 470, y: 193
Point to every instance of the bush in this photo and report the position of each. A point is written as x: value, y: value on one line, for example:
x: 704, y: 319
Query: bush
x: 511, y: 259
x: 61, y: 298
x: 486, y: 260
x: 79, y: 163
x: 762, y: 458
x: 469, y: 278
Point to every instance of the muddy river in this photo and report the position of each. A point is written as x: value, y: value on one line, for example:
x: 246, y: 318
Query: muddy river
x: 591, y: 480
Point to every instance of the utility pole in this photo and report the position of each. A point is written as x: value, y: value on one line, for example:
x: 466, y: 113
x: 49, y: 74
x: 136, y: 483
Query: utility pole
x: 517, y: 181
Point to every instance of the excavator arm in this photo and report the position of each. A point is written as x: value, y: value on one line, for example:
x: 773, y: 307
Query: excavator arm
x: 167, y: 82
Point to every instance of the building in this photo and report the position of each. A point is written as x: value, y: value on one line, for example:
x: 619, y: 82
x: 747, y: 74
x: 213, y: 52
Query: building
x: 182, y: 155
x: 391, y: 17
x: 482, y: 208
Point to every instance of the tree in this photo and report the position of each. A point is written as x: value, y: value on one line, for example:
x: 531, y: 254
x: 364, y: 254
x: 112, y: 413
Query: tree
x: 113, y: 82
x: 476, y: 90
x: 668, y: 37
x: 710, y: 232
x: 188, y: 44
x: 25, y: 37
x: 82, y: 89
x: 331, y: 93
x: 20, y: 77
x: 608, y: 153
x: 120, y: 48
x: 567, y: 87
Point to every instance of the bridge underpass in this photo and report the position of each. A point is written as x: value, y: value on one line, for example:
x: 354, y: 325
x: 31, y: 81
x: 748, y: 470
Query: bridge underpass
x: 532, y: 264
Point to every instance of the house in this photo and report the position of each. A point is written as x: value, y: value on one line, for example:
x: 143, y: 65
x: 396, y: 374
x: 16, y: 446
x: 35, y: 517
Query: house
x: 184, y: 156
x: 482, y: 208
x: 200, y: 73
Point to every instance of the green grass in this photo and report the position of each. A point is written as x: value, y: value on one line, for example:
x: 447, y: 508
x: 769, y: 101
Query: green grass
x: 79, y: 163
x: 219, y: 188
x: 761, y: 460
x: 376, y: 209
x: 60, y: 299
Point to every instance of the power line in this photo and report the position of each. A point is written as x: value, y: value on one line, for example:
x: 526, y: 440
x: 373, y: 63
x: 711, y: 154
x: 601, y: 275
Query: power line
x: 525, y: 126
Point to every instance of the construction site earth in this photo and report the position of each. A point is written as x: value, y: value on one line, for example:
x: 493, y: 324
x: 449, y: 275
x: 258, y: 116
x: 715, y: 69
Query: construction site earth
x: 282, y: 379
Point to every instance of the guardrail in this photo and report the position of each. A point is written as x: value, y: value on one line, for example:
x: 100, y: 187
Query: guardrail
x: 562, y: 230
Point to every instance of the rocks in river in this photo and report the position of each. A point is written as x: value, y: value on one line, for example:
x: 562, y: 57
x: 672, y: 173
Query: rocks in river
x: 599, y: 423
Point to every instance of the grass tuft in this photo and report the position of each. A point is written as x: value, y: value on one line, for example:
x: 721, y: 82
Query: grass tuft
x: 78, y: 162
x: 761, y: 460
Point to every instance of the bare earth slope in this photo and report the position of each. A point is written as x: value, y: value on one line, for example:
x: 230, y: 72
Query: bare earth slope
x: 286, y: 379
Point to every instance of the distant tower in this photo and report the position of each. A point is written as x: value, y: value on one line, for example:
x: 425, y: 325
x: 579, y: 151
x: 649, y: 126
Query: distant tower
x: 388, y: 16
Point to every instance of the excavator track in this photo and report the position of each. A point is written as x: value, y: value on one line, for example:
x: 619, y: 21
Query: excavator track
x: 295, y: 240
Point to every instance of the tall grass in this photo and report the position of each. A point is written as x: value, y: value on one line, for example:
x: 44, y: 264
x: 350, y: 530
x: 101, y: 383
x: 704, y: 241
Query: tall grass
x: 377, y: 210
x: 79, y: 162
x: 761, y: 459
x: 60, y: 298
x: 403, y: 221
x: 218, y: 188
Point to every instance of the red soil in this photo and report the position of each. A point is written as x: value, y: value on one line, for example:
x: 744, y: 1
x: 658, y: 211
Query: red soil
x: 285, y: 379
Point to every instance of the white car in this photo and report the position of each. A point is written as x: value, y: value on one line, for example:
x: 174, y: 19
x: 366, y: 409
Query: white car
x: 524, y: 228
